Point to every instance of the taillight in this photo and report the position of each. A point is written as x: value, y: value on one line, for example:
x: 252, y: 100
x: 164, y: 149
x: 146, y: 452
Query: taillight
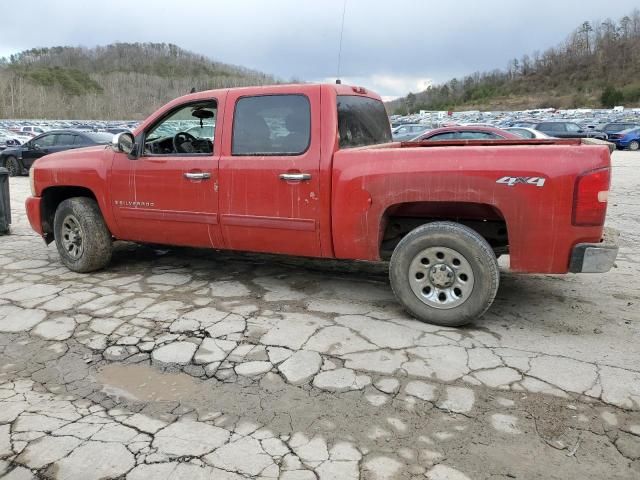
x: 590, y: 197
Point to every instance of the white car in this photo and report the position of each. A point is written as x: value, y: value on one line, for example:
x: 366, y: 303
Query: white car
x: 8, y: 135
x: 525, y: 132
x: 31, y: 130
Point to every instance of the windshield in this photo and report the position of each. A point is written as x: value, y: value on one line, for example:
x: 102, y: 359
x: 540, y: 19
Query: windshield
x: 362, y: 121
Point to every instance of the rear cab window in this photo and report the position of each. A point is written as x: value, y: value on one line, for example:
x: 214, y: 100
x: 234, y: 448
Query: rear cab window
x: 362, y: 121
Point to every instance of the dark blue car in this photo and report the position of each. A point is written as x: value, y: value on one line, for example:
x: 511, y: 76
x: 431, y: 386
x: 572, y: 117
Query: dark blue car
x: 629, y: 138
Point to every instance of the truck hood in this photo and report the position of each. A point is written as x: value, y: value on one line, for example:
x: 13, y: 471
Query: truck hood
x: 81, y: 167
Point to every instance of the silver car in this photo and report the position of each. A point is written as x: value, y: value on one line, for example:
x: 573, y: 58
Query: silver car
x: 408, y: 132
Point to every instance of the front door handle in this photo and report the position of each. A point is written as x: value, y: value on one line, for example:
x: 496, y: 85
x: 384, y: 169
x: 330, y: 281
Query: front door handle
x: 197, y: 175
x: 295, y: 177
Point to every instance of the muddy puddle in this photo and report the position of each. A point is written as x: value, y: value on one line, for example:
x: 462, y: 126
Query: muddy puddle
x: 144, y: 384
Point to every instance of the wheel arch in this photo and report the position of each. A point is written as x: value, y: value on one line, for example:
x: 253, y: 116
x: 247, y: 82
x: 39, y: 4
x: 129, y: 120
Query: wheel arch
x: 54, y: 196
x: 400, y: 218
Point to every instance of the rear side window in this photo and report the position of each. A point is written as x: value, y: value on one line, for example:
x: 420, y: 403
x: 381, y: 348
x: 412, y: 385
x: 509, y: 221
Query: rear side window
x: 65, y: 139
x: 551, y: 127
x: 467, y: 135
x: 523, y: 133
x: 443, y: 136
x: 362, y: 121
x: 271, y: 125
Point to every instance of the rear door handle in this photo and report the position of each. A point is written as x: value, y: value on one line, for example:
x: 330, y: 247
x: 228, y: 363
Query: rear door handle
x: 295, y: 177
x: 197, y: 175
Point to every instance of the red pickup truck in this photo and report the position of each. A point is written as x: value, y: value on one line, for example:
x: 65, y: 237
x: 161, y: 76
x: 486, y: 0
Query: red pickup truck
x: 311, y: 170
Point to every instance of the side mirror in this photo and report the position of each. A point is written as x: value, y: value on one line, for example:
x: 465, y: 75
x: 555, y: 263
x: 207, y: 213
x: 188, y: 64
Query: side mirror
x: 124, y: 142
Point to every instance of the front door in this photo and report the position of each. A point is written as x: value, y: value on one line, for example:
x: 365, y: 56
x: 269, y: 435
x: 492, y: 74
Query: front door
x: 169, y: 194
x: 38, y: 147
x: 269, y: 172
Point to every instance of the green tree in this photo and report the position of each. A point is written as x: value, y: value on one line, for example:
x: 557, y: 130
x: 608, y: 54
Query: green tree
x: 611, y: 97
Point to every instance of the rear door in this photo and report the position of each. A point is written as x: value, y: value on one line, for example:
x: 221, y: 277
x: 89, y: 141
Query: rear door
x: 269, y: 172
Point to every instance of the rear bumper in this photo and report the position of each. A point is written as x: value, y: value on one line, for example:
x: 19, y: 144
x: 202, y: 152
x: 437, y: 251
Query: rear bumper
x: 34, y: 213
x: 595, y: 257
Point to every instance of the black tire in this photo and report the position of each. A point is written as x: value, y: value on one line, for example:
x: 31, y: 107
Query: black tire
x: 14, y: 166
x: 453, y: 237
x: 634, y: 145
x: 81, y: 217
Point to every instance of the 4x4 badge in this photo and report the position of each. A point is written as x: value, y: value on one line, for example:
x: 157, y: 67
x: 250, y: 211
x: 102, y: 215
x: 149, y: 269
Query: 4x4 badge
x: 511, y: 181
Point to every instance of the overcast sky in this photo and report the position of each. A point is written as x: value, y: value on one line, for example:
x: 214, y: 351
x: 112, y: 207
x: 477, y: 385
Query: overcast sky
x: 392, y: 47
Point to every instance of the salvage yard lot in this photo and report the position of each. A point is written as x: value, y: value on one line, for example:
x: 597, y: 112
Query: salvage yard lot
x: 184, y: 363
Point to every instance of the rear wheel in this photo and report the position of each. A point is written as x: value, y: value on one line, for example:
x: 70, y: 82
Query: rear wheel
x: 444, y: 273
x: 13, y: 165
x: 82, y: 238
x: 634, y: 145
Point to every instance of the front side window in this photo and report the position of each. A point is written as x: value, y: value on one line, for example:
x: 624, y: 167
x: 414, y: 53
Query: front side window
x: 45, y: 140
x: 271, y: 125
x: 362, y: 121
x: 572, y: 127
x: 187, y: 130
x: 524, y: 133
x: 551, y: 127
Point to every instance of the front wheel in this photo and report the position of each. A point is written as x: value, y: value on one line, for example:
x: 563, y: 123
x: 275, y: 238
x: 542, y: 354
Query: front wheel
x: 13, y: 165
x: 82, y: 238
x: 444, y: 273
x: 634, y: 145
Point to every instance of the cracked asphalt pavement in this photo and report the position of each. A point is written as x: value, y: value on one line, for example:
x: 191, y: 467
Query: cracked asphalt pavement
x: 179, y: 363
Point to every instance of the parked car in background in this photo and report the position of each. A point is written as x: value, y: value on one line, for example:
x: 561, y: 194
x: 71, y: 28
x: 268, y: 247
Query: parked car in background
x: 116, y: 130
x: 10, y: 139
x: 407, y: 132
x: 524, y: 124
x: 617, y: 127
x: 466, y: 133
x: 7, y: 141
x: 30, y: 130
x: 20, y: 137
x: 560, y: 129
x: 19, y: 159
x: 525, y: 132
x: 629, y: 138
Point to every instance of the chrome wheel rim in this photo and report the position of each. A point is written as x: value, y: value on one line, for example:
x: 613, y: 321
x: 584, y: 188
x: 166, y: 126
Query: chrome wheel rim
x: 72, y: 237
x: 441, y: 277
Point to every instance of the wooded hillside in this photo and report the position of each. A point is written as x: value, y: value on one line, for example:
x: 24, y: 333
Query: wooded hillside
x: 598, y: 65
x: 119, y: 81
